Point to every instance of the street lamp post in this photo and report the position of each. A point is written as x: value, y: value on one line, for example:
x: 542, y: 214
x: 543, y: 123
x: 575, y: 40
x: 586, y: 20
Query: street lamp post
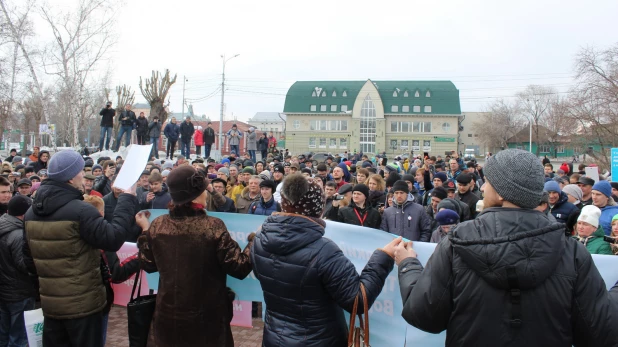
x: 184, y: 79
x: 222, y: 102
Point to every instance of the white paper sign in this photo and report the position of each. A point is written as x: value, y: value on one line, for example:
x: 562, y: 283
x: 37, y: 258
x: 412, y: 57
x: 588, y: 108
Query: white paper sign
x: 593, y: 172
x: 133, y: 166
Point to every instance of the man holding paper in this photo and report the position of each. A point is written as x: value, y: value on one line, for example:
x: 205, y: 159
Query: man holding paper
x: 64, y: 237
x: 510, y: 277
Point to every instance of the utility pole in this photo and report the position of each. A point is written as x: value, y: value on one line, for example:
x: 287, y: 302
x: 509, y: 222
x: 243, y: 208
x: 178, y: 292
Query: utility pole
x: 222, y: 102
x: 184, y: 79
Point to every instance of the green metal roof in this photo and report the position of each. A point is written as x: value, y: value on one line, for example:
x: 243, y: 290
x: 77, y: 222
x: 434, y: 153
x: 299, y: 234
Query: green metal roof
x: 444, y: 97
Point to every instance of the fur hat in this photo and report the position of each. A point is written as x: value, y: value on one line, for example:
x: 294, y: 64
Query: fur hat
x: 185, y: 184
x: 302, y: 196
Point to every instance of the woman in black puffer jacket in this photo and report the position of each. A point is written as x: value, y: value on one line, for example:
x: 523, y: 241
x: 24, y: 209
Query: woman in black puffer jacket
x: 305, y: 277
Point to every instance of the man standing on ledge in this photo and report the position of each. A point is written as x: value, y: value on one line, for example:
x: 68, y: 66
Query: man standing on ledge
x: 107, y: 125
x: 510, y: 277
x: 127, y: 119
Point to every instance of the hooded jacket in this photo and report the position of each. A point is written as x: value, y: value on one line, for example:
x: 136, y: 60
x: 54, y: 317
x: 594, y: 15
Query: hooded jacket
x: 308, y: 282
x: 234, y: 136
x: 346, y: 172
x: 15, y: 283
x: 607, y: 213
x: 64, y: 235
x: 161, y: 199
x: 563, y: 208
x: 198, y: 138
x: 408, y: 220
x: 595, y: 243
x: 509, y: 278
x: 252, y: 141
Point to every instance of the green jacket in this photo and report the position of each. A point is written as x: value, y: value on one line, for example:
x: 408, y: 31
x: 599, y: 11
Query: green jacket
x: 595, y: 243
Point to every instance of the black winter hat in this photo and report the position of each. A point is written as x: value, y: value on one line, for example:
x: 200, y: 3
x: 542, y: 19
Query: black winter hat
x: 408, y: 177
x: 464, y: 178
x: 344, y: 189
x: 361, y: 188
x: 185, y: 184
x: 18, y: 205
x: 439, y: 193
x: 392, y: 178
x: 401, y: 186
x: 278, y: 168
x: 268, y: 184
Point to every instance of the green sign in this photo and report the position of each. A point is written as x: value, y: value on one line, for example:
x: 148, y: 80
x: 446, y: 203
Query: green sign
x: 444, y: 139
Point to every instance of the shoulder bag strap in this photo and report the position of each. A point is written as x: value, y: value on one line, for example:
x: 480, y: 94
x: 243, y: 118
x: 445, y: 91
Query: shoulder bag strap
x: 366, y: 313
x: 352, y: 321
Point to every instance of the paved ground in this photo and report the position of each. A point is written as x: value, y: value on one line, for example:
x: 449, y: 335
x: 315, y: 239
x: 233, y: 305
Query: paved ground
x: 117, y: 331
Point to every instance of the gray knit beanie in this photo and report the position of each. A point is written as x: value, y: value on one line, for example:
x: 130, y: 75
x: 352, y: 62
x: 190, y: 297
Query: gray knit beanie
x: 517, y: 176
x: 65, y: 165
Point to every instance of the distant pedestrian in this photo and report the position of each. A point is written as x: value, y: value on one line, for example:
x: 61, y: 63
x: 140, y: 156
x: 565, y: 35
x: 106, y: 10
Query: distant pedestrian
x: 252, y: 143
x: 127, y: 121
x: 234, y: 136
x: 186, y: 135
x: 107, y: 125
x: 172, y: 133
x: 198, y: 139
x: 141, y: 128
x: 209, y: 139
x: 154, y: 132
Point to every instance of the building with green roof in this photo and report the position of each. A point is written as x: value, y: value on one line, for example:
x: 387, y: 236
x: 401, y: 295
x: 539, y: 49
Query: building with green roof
x: 395, y: 117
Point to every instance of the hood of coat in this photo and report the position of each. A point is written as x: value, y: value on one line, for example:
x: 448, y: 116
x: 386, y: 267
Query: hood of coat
x: 53, y: 195
x: 284, y: 234
x: 9, y: 223
x: 245, y: 195
x: 598, y: 233
x: 409, y: 200
x: 346, y: 172
x: 504, y: 238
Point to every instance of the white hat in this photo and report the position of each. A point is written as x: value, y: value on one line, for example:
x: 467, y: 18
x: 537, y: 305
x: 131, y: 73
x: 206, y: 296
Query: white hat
x: 199, y: 127
x: 590, y: 214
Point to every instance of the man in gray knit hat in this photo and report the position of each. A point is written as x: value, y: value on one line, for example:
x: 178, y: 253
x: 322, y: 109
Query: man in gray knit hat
x: 511, y: 276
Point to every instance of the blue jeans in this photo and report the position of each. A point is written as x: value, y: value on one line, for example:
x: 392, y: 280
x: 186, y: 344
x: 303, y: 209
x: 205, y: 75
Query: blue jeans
x: 105, y: 131
x: 207, y: 150
x: 155, y: 150
x: 12, y: 326
x: 185, y: 148
x: 234, y: 149
x: 252, y: 155
x: 124, y: 130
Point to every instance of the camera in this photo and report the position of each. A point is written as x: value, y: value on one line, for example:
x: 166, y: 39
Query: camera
x: 610, y: 239
x: 338, y: 197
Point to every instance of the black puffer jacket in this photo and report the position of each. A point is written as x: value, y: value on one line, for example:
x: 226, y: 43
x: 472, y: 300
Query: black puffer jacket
x: 15, y: 283
x: 307, y: 281
x: 141, y: 126
x: 475, y: 278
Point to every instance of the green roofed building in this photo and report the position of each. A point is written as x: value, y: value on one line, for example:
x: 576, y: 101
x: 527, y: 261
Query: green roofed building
x: 395, y: 117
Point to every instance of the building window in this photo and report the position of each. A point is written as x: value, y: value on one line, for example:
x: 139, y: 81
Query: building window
x: 427, y: 127
x: 322, y: 125
x: 404, y: 144
x: 394, y: 108
x: 313, y: 94
x: 405, y: 94
x: 544, y: 149
x: 417, y: 94
x: 344, y: 94
x: 427, y: 109
x: 296, y: 124
x: 405, y: 108
x: 344, y: 108
x: 333, y: 108
x: 344, y: 125
x: 417, y: 109
x: 313, y: 108
x: 312, y: 142
x: 577, y: 150
x: 343, y: 143
x: 323, y: 94
x: 446, y: 127
x: 313, y: 124
x: 333, y: 143
x: 394, y: 128
x: 428, y: 94
x: 322, y: 142
x: 323, y: 108
x: 405, y: 127
x: 368, y: 126
x: 334, y: 94
x: 560, y: 149
x: 421, y: 127
x: 393, y: 144
x: 338, y: 125
x: 395, y: 94
x: 476, y: 135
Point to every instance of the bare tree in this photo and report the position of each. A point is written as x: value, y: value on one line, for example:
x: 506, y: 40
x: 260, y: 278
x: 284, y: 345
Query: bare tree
x: 502, y: 120
x: 82, y: 39
x: 155, y: 90
x: 535, y: 103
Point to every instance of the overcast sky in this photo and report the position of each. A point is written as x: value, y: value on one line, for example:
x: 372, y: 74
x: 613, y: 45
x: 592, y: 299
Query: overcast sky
x: 487, y: 48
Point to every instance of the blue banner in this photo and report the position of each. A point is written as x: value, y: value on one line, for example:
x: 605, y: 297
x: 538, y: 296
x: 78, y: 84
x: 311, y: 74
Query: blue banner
x: 614, y: 167
x: 387, y: 326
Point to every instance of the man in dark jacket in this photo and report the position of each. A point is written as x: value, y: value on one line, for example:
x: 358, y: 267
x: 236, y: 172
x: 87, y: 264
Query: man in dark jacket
x: 406, y: 218
x: 154, y: 133
x: 103, y: 183
x: 219, y: 185
x: 465, y: 186
x: 559, y: 204
x: 17, y: 288
x: 358, y: 212
x: 107, y: 125
x: 510, y: 277
x: 209, y: 139
x: 157, y: 197
x: 41, y: 163
x: 127, y: 120
x: 267, y: 204
x: 64, y: 235
x: 186, y: 134
x: 172, y: 132
x: 141, y: 128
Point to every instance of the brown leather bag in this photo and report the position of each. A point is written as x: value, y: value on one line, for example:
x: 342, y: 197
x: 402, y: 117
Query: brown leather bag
x: 359, y: 336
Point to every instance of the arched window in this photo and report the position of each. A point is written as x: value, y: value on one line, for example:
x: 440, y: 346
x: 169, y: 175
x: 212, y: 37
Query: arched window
x: 313, y: 94
x: 368, y: 126
x: 405, y: 94
x: 428, y: 94
x: 344, y: 94
x: 324, y: 94
x: 334, y: 94
x: 417, y: 94
x: 395, y: 94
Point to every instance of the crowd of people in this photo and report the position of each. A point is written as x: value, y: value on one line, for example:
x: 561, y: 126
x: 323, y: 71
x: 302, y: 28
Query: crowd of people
x: 513, y: 260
